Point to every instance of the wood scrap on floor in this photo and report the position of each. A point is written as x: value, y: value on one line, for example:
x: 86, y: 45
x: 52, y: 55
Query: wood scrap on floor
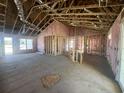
x: 50, y: 80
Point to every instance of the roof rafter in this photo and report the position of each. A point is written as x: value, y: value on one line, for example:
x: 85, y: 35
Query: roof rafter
x: 81, y: 21
x: 83, y: 6
x: 82, y: 18
x: 80, y: 14
x: 2, y: 4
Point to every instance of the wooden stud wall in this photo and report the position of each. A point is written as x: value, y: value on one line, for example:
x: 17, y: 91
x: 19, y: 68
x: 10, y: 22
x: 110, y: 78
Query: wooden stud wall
x: 76, y: 56
x: 54, y: 45
x: 96, y: 44
x: 90, y: 43
x: 77, y: 52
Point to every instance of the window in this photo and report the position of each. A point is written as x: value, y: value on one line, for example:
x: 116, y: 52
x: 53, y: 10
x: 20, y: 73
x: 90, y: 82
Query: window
x: 71, y: 43
x: 26, y: 44
x: 22, y: 44
x: 109, y: 39
x: 8, y: 45
x: 29, y: 44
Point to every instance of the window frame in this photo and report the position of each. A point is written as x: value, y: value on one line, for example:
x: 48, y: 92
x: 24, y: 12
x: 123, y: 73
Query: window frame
x: 28, y: 48
x: 24, y: 43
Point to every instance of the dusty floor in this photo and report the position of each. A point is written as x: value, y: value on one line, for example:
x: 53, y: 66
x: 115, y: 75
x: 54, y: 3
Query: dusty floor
x: 22, y: 74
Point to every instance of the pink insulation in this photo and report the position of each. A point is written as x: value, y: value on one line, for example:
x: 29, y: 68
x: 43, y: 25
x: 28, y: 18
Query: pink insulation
x: 112, y: 44
x: 95, y: 40
x: 55, y: 28
x: 96, y: 43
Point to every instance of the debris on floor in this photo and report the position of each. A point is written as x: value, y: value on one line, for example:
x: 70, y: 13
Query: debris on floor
x: 50, y: 80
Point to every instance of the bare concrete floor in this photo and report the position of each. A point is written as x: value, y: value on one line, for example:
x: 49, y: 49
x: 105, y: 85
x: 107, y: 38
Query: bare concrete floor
x: 22, y: 74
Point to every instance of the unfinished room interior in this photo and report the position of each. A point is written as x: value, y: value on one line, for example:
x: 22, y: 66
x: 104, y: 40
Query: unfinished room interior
x: 61, y: 46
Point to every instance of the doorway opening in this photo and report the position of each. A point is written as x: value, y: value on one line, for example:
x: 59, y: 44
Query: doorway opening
x: 8, y: 45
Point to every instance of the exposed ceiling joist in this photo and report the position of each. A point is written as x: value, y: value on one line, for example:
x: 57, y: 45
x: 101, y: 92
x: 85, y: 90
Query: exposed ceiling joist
x: 21, y: 14
x: 81, y: 21
x: 1, y: 21
x: 90, y: 13
x: 69, y: 6
x: 2, y: 4
x: 33, y: 22
x: 81, y: 14
x: 90, y: 25
x: 82, y: 7
x: 44, y: 5
x: 81, y: 18
x: 14, y: 24
x: 43, y: 26
x: 39, y: 24
x: 2, y: 14
x: 93, y: 28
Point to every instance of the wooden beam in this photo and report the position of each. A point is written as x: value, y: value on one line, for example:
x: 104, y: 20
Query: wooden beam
x: 2, y: 4
x: 98, y: 26
x: 81, y: 21
x: 44, y: 5
x: 33, y: 21
x: 39, y: 6
x: 80, y: 14
x: 20, y: 29
x: 93, y: 28
x: 29, y: 24
x: 89, y: 11
x: 46, y: 16
x: 2, y: 14
x: 14, y: 24
x: 69, y: 6
x: 42, y: 27
x: 45, y: 24
x: 82, y: 7
x: 81, y: 18
x: 53, y: 6
x: 38, y: 25
x: 1, y: 21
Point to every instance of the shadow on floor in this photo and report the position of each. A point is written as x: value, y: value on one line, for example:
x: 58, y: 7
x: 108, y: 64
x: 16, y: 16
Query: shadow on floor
x: 99, y: 63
